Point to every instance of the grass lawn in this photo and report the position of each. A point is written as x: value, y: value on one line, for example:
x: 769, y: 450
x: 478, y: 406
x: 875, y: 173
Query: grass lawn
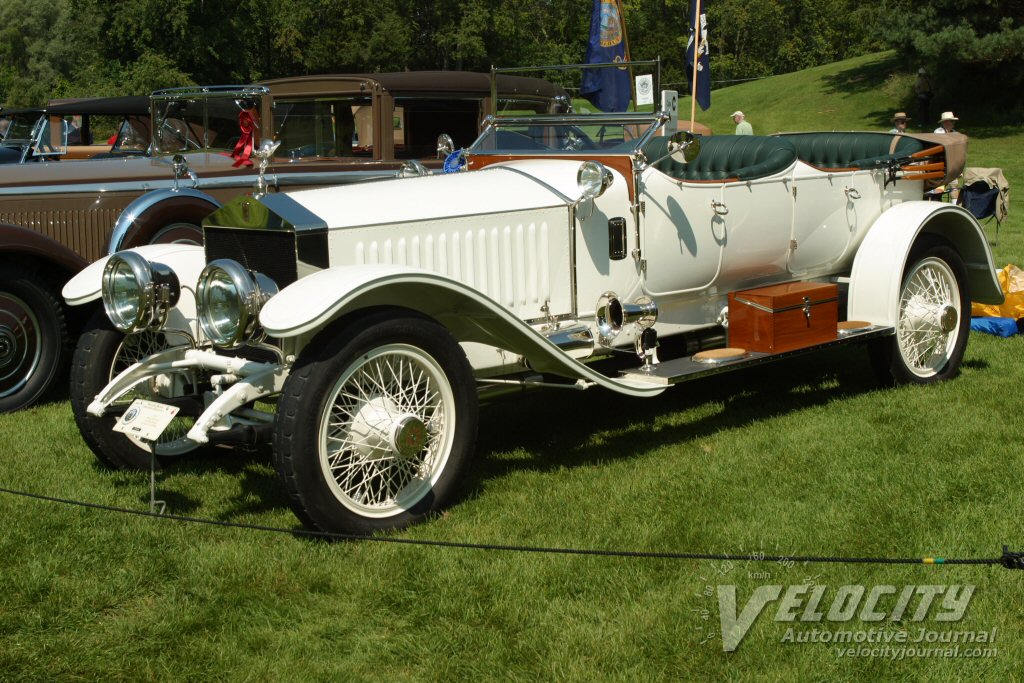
x: 805, y: 457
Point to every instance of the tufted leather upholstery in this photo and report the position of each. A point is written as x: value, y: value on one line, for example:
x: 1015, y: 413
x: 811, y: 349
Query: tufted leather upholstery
x: 850, y: 150
x: 727, y: 157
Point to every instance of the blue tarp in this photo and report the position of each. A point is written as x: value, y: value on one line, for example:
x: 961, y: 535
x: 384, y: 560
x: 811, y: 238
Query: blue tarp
x: 1001, y: 327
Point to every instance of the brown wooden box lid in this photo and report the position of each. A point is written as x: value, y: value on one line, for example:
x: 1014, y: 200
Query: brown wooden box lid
x: 788, y: 294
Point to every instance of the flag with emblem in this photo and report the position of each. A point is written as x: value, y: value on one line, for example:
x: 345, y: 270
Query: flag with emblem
x: 701, y: 86
x: 607, y: 88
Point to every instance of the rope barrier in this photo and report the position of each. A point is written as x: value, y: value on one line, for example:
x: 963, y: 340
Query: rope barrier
x: 1010, y: 560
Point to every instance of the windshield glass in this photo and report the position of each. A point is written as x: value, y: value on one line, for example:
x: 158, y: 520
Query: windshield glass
x: 190, y: 122
x: 20, y: 128
x: 562, y: 135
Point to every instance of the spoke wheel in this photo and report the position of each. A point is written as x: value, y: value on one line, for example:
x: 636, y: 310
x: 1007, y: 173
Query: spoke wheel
x: 384, y: 439
x: 375, y: 424
x: 928, y: 325
x: 33, y: 339
x: 932, y: 323
x: 102, y: 353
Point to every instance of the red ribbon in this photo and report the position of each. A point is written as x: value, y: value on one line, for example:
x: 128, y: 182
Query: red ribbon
x: 243, y: 148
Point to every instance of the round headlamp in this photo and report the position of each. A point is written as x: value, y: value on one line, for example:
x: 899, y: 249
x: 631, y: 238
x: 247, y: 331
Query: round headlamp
x: 136, y: 293
x: 593, y: 178
x: 229, y: 299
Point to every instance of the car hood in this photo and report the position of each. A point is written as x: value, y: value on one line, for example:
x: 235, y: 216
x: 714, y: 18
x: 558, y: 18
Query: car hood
x: 509, y: 186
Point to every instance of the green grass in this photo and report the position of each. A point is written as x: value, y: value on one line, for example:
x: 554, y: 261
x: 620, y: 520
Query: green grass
x: 806, y: 456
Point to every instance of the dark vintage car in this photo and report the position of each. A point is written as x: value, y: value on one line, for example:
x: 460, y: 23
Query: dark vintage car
x: 57, y: 216
x: 76, y: 129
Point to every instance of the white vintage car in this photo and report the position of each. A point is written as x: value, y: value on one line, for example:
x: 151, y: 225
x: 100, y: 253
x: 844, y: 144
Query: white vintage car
x: 357, y: 328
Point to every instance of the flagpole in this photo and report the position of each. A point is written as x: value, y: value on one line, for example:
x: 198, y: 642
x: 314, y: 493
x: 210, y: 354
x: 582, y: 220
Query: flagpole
x: 625, y: 41
x: 696, y: 61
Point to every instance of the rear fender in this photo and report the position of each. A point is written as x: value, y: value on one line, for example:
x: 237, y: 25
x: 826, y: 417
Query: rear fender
x: 877, y: 273
x: 305, y: 307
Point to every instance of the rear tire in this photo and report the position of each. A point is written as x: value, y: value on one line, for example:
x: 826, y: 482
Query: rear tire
x: 34, y: 345
x: 376, y: 423
x: 102, y: 353
x: 933, y: 319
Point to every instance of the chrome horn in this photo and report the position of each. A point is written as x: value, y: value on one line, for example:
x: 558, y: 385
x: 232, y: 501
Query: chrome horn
x: 613, y: 315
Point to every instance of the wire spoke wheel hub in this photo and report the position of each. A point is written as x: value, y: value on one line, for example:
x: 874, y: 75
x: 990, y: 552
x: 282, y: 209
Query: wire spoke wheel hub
x: 929, y: 317
x: 387, y: 430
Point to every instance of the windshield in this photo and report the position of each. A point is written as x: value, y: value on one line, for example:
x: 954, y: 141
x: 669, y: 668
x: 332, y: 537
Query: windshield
x: 20, y: 128
x: 204, y: 121
x: 564, y: 134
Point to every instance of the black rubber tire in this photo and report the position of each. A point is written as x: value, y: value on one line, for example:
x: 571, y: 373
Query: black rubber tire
x: 33, y: 353
x: 886, y: 358
x: 90, y: 372
x: 309, y: 387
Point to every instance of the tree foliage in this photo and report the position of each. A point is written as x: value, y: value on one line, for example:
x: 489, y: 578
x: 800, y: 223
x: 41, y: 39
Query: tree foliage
x: 61, y: 48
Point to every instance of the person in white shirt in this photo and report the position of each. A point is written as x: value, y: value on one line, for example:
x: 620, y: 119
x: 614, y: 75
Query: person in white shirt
x: 947, y: 124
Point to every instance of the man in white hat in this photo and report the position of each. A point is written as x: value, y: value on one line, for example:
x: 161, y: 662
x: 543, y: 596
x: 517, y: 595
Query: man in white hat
x: 742, y: 127
x: 947, y: 123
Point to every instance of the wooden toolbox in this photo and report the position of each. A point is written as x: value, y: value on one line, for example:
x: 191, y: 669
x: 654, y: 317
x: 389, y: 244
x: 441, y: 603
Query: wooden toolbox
x: 783, y: 317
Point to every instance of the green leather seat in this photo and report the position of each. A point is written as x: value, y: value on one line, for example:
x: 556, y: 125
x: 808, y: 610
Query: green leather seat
x: 726, y: 157
x: 850, y: 150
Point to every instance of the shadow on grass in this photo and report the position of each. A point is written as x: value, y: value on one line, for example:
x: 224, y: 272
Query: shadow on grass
x: 555, y: 427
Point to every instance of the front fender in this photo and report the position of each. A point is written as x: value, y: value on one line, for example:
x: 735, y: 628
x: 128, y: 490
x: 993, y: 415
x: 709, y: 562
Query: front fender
x: 186, y: 260
x: 877, y: 273
x: 144, y: 213
x: 305, y: 306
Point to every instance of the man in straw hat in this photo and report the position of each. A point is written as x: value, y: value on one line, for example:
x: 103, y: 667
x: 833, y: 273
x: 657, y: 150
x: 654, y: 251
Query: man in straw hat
x: 899, y: 122
x: 947, y: 123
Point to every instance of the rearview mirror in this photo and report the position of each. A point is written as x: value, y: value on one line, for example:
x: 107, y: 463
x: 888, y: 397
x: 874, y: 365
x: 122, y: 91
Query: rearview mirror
x: 685, y: 144
x: 445, y: 145
x: 682, y: 147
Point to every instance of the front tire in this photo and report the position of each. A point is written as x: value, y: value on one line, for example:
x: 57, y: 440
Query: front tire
x: 34, y: 347
x: 102, y: 353
x: 932, y: 322
x: 376, y: 423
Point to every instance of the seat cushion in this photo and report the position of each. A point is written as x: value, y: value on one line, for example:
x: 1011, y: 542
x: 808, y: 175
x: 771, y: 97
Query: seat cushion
x: 851, y: 150
x: 726, y: 157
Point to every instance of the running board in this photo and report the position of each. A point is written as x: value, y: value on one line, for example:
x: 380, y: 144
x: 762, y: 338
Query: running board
x: 683, y: 369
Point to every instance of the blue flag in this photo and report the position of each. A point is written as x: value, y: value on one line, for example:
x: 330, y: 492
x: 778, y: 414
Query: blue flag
x: 607, y: 88
x: 703, y: 90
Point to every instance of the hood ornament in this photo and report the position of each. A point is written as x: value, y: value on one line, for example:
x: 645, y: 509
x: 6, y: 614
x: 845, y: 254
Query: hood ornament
x: 264, y: 153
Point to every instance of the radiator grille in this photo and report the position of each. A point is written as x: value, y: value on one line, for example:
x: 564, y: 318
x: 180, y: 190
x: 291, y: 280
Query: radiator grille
x: 270, y: 252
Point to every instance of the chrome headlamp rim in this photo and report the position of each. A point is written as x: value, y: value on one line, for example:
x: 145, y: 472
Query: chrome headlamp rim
x: 145, y: 291
x: 592, y: 179
x: 250, y: 290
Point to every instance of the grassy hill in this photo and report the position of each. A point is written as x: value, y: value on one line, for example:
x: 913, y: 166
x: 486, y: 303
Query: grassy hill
x: 805, y: 457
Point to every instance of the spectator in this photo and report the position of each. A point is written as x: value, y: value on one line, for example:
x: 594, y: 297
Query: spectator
x: 923, y: 88
x: 899, y: 122
x: 742, y: 127
x: 947, y: 123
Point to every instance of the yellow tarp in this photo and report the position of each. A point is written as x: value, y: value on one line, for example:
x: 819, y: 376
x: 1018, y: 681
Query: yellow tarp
x: 1011, y: 279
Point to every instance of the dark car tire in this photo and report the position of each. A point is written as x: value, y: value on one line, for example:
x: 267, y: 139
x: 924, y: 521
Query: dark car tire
x: 933, y: 321
x: 356, y: 383
x: 34, y: 345
x: 102, y: 352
